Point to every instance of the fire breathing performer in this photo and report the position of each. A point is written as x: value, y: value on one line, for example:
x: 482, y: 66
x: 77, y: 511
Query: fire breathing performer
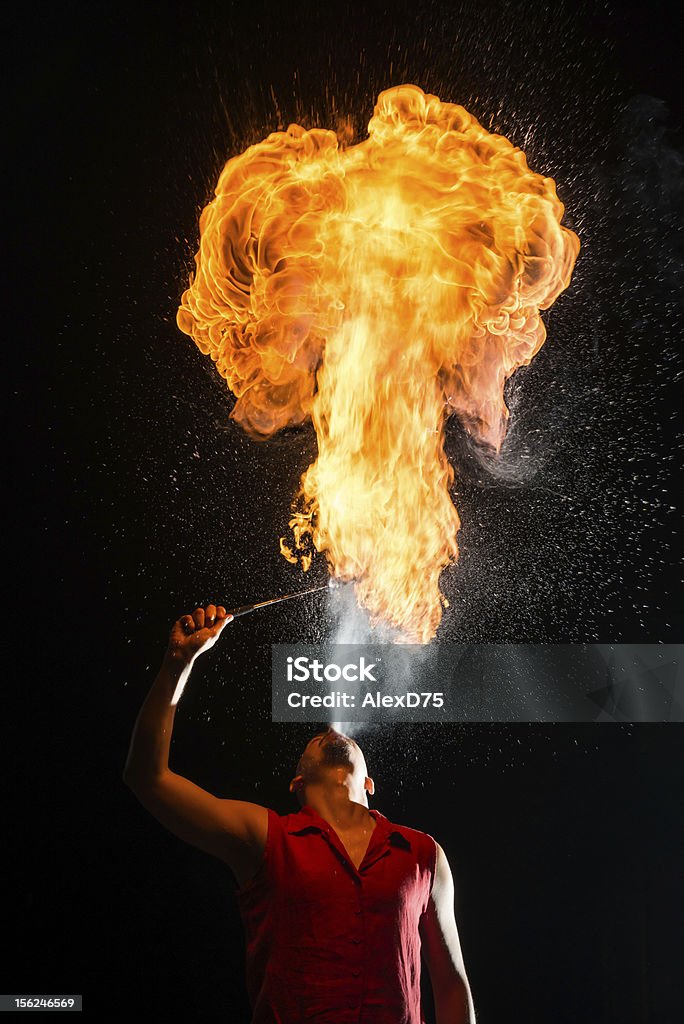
x: 337, y: 902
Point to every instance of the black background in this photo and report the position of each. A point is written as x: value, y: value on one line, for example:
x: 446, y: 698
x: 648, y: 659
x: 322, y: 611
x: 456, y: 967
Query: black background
x: 137, y: 498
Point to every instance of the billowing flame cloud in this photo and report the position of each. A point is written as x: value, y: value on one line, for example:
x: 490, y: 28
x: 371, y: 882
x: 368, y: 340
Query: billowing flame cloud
x: 378, y: 289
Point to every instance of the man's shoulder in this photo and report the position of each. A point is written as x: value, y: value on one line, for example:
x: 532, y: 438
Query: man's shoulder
x: 413, y: 835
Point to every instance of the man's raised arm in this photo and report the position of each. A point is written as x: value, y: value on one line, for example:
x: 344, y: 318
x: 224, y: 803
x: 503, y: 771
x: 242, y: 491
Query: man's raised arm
x: 232, y: 830
x: 442, y: 949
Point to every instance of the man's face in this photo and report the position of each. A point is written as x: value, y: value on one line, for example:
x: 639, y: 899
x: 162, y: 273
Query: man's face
x: 332, y: 756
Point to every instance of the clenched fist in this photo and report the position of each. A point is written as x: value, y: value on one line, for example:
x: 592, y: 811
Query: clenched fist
x: 192, y: 634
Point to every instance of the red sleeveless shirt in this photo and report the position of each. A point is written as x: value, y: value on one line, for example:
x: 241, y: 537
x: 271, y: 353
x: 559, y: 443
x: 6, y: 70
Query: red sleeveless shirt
x: 328, y: 943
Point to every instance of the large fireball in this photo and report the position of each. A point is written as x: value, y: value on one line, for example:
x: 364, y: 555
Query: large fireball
x: 376, y: 290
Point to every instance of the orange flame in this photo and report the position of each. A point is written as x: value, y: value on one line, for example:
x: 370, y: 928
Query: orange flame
x: 377, y: 289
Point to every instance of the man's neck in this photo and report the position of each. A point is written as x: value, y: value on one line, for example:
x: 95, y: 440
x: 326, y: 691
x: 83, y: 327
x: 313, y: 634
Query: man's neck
x: 335, y: 807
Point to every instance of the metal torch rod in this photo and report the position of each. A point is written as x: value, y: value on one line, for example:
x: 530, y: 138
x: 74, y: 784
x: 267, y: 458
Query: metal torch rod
x: 243, y: 609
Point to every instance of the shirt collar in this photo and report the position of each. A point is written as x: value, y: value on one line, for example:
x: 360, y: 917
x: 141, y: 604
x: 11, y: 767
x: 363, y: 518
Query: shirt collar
x: 308, y: 819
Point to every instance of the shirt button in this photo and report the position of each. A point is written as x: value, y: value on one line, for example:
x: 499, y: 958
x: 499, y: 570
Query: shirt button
x: 357, y: 913
x: 356, y: 942
x: 356, y: 974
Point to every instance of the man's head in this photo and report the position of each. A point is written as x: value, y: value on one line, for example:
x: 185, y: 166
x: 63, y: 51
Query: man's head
x: 329, y: 760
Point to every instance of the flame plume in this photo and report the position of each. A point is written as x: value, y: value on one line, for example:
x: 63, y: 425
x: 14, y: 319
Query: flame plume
x: 378, y: 289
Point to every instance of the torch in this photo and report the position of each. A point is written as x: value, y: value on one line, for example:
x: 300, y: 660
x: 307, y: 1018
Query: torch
x: 245, y: 608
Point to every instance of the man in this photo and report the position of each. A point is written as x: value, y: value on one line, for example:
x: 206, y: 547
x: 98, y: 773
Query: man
x: 337, y: 902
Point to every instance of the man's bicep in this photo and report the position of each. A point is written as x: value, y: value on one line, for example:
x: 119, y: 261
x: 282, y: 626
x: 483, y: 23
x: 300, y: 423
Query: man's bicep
x: 223, y: 828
